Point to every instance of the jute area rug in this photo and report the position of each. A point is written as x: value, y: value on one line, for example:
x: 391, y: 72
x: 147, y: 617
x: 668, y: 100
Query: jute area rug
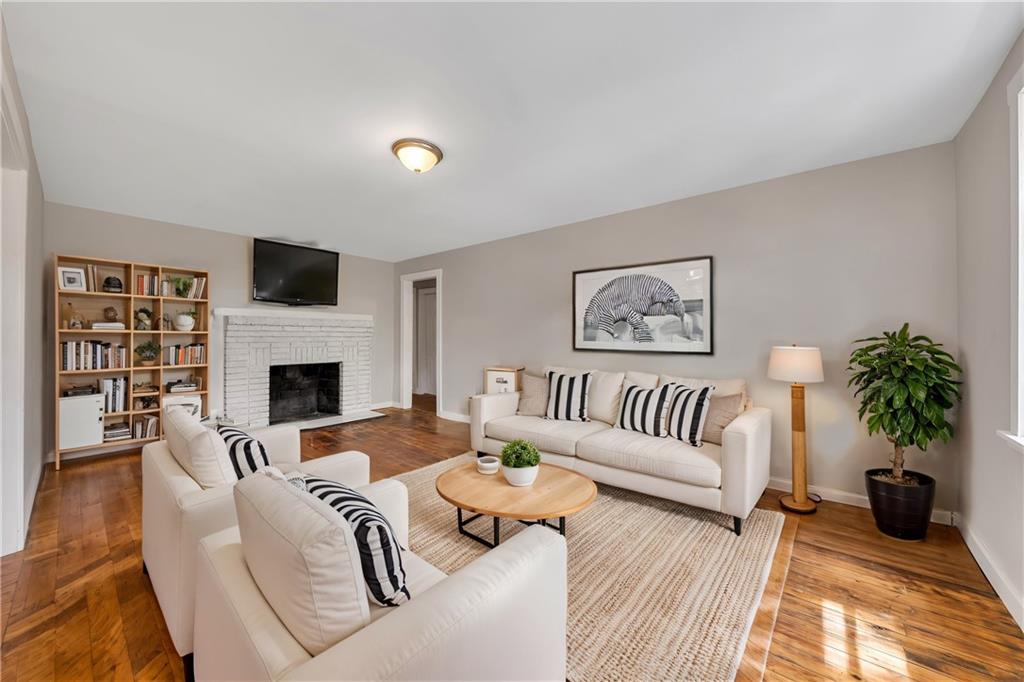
x: 657, y: 590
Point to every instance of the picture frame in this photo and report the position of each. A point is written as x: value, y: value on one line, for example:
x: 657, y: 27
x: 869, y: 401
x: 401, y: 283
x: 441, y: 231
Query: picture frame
x: 657, y: 307
x: 71, y: 279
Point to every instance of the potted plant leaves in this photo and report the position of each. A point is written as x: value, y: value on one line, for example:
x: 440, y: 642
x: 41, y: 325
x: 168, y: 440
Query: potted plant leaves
x: 906, y: 384
x: 520, y: 463
x: 148, y: 352
x: 185, y: 321
x: 182, y: 285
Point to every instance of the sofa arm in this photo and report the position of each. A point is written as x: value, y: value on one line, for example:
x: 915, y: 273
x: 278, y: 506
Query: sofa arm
x: 391, y: 497
x: 746, y: 460
x: 450, y: 631
x: 283, y: 444
x: 350, y: 468
x: 483, y: 408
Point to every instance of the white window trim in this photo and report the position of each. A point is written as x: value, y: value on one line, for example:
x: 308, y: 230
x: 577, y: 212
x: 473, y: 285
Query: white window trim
x: 1015, y: 101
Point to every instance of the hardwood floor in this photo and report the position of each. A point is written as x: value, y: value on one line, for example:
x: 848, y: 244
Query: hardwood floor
x: 843, y: 602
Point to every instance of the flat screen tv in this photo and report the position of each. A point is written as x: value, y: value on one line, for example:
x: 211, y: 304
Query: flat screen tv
x: 293, y: 274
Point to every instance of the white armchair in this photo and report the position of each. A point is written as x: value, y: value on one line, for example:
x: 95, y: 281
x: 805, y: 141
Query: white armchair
x: 177, y: 513
x: 447, y: 631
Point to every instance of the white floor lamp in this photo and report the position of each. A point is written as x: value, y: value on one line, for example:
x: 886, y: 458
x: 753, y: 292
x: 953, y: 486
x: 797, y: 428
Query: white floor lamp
x: 798, y: 365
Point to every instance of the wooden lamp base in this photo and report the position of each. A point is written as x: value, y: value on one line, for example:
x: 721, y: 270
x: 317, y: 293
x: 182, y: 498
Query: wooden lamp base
x: 798, y: 501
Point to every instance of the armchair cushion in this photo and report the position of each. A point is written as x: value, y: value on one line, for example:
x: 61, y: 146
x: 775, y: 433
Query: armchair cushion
x: 305, y: 560
x: 247, y: 454
x: 200, y: 451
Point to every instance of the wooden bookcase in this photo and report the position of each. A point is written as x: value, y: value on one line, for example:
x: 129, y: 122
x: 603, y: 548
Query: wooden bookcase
x: 90, y: 305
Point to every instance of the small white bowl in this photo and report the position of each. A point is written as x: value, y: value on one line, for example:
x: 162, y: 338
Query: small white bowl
x: 487, y: 465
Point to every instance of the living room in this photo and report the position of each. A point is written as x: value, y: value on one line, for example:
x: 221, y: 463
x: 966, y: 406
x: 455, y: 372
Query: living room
x: 522, y: 309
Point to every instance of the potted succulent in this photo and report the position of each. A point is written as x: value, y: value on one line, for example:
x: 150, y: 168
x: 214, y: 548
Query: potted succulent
x: 148, y: 352
x: 520, y: 462
x: 906, y: 384
x: 185, y: 321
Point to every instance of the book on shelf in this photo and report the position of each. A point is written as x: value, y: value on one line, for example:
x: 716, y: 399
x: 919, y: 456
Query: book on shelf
x: 92, y: 354
x: 185, y: 354
x: 189, y: 385
x: 144, y: 427
x: 147, y: 285
x: 115, y: 394
x: 107, y: 325
x: 118, y: 431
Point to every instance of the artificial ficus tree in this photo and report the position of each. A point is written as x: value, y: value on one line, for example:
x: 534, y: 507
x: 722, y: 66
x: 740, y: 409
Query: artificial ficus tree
x: 906, y: 384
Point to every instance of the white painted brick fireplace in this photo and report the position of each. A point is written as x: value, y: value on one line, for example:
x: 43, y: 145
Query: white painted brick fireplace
x: 256, y: 338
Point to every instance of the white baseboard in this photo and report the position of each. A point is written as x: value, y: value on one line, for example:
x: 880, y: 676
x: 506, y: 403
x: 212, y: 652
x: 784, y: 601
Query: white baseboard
x: 855, y: 499
x: 454, y: 416
x: 384, y: 405
x: 1003, y: 587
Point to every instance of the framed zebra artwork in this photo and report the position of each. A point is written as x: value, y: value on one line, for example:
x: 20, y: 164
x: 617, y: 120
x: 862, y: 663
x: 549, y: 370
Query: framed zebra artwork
x: 663, y: 307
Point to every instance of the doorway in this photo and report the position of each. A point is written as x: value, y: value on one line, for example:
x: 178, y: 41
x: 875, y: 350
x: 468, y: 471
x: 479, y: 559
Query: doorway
x: 421, y: 341
x: 424, y: 361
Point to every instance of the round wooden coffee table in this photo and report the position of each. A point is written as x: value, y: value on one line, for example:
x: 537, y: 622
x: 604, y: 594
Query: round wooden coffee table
x: 555, y: 494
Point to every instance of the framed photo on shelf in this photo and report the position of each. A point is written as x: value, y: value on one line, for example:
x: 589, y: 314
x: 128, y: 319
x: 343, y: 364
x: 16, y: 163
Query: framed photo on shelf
x: 71, y: 279
x: 663, y: 307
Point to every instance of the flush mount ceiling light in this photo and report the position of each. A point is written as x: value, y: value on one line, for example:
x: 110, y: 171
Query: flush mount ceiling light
x: 419, y: 156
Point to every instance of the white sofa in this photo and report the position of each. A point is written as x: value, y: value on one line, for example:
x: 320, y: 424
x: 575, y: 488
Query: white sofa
x: 451, y: 629
x: 177, y: 513
x: 727, y: 478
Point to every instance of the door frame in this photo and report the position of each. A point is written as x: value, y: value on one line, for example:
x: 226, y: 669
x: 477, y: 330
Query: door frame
x: 408, y: 342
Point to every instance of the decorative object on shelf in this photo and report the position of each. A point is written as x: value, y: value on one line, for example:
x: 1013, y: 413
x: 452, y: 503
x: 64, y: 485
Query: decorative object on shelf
x: 143, y: 319
x: 148, y: 352
x: 662, y: 307
x: 71, y: 317
x: 145, y: 403
x: 906, y: 384
x: 798, y: 365
x: 71, y: 278
x: 520, y: 463
x: 193, y: 404
x: 184, y: 322
x: 487, y: 465
x: 144, y: 387
x: 113, y: 285
x: 182, y: 285
x: 503, y: 379
x: 417, y: 155
x: 79, y: 390
x: 110, y: 314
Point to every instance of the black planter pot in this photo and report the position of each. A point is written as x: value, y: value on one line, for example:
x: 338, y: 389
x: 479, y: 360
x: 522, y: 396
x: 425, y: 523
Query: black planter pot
x: 901, y: 511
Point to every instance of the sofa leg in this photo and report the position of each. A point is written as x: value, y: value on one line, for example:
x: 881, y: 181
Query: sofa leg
x: 737, y: 525
x: 190, y: 671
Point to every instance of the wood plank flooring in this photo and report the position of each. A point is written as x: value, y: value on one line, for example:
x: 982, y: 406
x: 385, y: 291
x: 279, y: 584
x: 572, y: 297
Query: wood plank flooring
x: 843, y: 602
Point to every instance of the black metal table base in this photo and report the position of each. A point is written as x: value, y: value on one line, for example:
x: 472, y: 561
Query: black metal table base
x: 463, y: 522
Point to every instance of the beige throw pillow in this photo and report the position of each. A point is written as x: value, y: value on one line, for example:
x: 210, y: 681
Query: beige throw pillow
x: 722, y: 411
x: 533, y: 398
x: 200, y: 451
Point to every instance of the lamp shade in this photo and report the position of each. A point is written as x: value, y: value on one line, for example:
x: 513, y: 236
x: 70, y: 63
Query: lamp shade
x: 796, y: 364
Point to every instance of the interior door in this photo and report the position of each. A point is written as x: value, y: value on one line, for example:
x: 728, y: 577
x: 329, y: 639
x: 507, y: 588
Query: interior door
x: 426, y: 342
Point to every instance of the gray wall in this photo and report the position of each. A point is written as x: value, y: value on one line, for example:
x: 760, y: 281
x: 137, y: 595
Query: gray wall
x: 365, y: 285
x: 991, y: 472
x: 819, y: 258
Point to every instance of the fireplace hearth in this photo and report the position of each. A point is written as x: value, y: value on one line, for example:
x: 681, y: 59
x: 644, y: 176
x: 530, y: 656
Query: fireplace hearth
x: 305, y: 391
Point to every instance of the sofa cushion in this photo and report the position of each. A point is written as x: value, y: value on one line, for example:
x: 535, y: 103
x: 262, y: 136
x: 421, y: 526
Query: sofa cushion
x: 722, y: 411
x: 723, y: 387
x: 533, y: 398
x: 642, y: 379
x: 200, y: 451
x: 549, y: 435
x: 567, y: 396
x: 662, y: 457
x: 645, y: 409
x: 688, y: 412
x: 305, y: 560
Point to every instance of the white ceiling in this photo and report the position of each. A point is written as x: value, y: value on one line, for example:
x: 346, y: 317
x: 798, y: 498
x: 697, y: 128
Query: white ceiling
x: 277, y: 119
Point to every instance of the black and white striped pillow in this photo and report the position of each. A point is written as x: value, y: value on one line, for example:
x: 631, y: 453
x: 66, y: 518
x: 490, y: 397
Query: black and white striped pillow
x: 247, y: 454
x: 379, y: 551
x: 567, y: 396
x: 688, y: 412
x: 644, y: 409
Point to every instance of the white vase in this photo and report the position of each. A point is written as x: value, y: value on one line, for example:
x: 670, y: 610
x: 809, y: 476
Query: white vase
x: 184, y: 323
x: 520, y: 476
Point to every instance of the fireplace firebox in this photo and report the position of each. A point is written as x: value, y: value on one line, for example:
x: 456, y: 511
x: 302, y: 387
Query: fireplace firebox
x: 305, y: 391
